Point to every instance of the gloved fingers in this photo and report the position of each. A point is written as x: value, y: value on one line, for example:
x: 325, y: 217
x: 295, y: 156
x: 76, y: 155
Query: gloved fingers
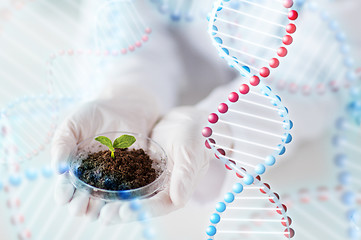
x: 172, y: 132
x: 109, y: 213
x: 210, y: 186
x: 63, y: 144
x: 179, y: 133
x: 94, y: 208
x: 79, y: 203
x: 158, y: 205
x: 184, y: 176
x: 64, y: 190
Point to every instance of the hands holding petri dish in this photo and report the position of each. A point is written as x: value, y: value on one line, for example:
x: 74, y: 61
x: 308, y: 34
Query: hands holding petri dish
x: 129, y: 108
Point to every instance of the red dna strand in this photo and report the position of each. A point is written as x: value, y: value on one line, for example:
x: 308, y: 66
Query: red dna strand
x: 260, y: 130
x: 253, y: 34
x: 325, y: 56
x: 119, y: 27
x: 7, y: 10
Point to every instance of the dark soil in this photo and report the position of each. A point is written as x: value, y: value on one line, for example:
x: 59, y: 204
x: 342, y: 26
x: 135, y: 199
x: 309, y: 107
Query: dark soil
x: 129, y: 170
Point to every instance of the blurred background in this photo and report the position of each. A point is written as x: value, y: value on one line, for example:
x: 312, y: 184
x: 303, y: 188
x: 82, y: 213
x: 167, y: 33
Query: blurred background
x: 32, y: 31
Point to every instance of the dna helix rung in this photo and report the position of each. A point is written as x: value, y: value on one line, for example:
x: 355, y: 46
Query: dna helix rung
x: 311, y: 215
x: 248, y: 36
x: 259, y: 130
x: 256, y: 206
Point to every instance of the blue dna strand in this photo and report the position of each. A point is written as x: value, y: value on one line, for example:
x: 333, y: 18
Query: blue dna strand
x: 34, y: 216
x: 347, y: 145
x: 253, y: 35
x: 318, y: 213
x: 119, y: 28
x: 183, y: 10
x: 354, y: 105
x: 250, y: 212
x: 327, y: 65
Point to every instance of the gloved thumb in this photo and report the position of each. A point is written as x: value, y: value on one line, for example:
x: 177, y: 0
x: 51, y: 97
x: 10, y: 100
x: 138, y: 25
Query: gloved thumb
x: 158, y: 205
x: 186, y: 174
x: 179, y: 133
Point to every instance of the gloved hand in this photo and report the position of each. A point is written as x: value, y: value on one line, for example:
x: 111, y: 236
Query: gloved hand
x: 119, y: 108
x: 179, y: 133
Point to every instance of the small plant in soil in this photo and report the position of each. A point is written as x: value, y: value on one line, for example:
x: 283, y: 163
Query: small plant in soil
x: 117, y: 168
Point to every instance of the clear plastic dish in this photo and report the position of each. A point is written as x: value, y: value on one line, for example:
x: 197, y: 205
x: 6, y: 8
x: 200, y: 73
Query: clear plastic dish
x: 153, y: 149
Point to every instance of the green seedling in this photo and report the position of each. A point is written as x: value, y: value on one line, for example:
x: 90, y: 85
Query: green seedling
x: 123, y: 141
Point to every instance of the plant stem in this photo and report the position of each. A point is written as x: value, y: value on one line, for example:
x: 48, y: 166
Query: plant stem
x: 112, y: 155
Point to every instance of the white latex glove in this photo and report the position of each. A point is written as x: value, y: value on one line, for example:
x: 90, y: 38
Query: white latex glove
x: 179, y: 133
x: 124, y: 108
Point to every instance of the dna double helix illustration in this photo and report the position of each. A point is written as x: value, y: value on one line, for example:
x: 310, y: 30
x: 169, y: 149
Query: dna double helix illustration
x: 28, y: 221
x: 311, y: 215
x: 33, y: 113
x: 120, y: 33
x: 324, y: 55
x: 28, y: 124
x: 257, y: 118
x: 253, y: 206
x: 346, y: 142
x: 242, y: 158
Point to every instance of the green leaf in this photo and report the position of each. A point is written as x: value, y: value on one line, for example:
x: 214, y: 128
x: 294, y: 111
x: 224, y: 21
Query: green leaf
x: 124, y: 141
x: 105, y: 141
